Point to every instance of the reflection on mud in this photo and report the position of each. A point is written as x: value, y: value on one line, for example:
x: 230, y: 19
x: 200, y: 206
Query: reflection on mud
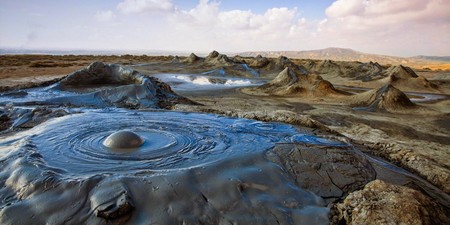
x: 190, y: 82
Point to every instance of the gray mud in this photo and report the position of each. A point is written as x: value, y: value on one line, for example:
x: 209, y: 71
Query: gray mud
x: 193, y: 168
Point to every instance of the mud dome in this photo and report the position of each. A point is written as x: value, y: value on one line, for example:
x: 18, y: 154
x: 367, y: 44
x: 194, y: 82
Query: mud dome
x: 191, y: 82
x: 193, y: 168
x: 123, y: 141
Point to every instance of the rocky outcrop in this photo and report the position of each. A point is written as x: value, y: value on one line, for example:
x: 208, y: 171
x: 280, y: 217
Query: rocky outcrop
x: 385, y: 98
x: 291, y: 83
x: 383, y: 203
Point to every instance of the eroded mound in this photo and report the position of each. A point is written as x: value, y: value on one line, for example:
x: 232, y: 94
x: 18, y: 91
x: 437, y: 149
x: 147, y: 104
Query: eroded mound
x: 385, y: 98
x: 290, y: 83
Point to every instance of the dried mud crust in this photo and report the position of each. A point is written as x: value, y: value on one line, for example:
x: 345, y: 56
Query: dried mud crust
x: 329, y: 172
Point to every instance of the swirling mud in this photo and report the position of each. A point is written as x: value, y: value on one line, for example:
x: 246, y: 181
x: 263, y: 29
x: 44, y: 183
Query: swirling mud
x: 173, y: 140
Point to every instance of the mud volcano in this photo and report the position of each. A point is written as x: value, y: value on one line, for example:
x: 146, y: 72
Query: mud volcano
x: 291, y: 83
x: 384, y: 98
x: 102, y: 85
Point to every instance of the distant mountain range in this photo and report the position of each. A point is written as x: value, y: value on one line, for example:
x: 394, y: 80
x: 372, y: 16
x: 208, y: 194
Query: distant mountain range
x: 346, y: 54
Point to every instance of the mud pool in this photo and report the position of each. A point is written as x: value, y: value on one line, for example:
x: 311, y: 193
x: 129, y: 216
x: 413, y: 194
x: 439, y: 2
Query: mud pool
x: 69, y: 153
x: 172, y: 140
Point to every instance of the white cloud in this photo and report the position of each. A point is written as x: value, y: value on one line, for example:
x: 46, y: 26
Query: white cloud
x: 342, y: 8
x: 237, y: 28
x: 386, y: 26
x: 386, y: 12
x: 140, y: 6
x: 105, y: 16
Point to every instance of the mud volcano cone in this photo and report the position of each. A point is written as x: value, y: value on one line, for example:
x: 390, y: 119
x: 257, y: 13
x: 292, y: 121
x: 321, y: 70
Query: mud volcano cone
x: 217, y: 59
x: 400, y: 72
x: 191, y: 59
x: 405, y: 77
x: 291, y: 83
x: 115, y: 85
x: 387, y: 97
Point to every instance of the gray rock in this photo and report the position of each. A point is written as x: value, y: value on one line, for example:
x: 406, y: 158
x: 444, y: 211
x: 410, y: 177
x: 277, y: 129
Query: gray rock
x: 383, y: 203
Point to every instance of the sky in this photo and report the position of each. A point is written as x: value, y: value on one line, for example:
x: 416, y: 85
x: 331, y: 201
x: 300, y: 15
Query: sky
x: 390, y: 27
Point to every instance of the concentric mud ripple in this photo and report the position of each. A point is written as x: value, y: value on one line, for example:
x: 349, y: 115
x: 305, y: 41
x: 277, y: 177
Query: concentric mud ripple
x: 173, y: 140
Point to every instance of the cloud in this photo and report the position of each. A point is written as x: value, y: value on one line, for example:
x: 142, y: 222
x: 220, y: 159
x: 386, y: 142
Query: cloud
x: 140, y: 6
x: 208, y: 14
x: 366, y: 13
x: 386, y: 26
x: 105, y: 16
x: 342, y: 8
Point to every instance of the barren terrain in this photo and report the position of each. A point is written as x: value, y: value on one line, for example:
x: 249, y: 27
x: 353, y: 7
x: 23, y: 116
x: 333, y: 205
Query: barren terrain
x: 315, y: 95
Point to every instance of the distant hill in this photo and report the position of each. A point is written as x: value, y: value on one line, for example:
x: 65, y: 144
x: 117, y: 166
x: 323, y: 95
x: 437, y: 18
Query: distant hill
x: 346, y: 54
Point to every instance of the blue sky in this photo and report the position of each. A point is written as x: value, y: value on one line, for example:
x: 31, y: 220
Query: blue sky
x: 400, y: 27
